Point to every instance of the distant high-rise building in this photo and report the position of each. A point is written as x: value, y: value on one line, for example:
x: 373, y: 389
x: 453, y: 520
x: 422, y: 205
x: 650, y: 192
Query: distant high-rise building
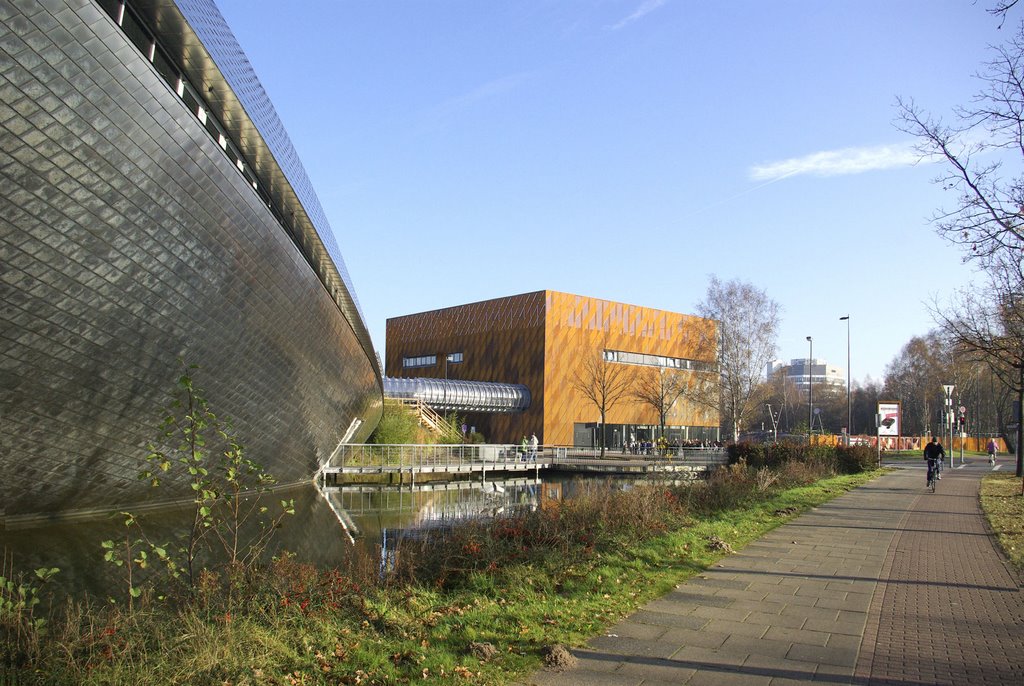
x: 821, y: 372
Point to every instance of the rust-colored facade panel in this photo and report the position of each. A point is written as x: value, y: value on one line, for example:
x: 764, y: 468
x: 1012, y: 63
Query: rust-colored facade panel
x: 579, y: 326
x: 541, y: 340
x: 500, y: 340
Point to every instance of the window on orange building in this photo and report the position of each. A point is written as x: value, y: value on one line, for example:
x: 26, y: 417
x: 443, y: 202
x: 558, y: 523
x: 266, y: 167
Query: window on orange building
x: 421, y: 361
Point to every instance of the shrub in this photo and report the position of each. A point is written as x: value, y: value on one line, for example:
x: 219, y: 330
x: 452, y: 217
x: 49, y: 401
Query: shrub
x: 856, y: 459
x: 748, y: 453
x: 398, y: 425
x: 21, y: 629
x: 802, y: 473
x: 568, y: 530
x: 724, y: 488
x: 824, y: 459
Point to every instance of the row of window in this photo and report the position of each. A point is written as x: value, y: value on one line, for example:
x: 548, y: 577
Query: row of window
x: 421, y: 361
x: 133, y: 27
x: 428, y: 360
x: 646, y: 360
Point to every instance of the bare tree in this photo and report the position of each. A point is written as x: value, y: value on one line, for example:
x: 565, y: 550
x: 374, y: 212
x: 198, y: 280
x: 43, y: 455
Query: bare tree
x: 660, y: 389
x: 603, y: 383
x: 988, y: 217
x: 748, y: 329
x: 865, y: 399
x: 1001, y: 9
x: 988, y: 326
x: 830, y: 407
x: 785, y: 399
x: 915, y: 378
x: 987, y: 220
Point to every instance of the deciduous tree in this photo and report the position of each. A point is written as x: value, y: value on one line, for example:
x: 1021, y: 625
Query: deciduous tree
x: 988, y: 326
x: 985, y: 140
x: 748, y: 329
x: 603, y: 383
x: 659, y: 389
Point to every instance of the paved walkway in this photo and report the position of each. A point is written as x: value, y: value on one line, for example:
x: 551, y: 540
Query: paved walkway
x: 884, y: 585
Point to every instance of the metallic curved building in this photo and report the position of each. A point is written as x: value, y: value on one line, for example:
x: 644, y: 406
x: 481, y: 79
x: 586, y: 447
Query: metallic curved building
x: 152, y: 210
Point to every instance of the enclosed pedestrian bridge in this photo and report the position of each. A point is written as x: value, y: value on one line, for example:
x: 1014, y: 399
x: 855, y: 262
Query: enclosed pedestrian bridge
x: 450, y: 395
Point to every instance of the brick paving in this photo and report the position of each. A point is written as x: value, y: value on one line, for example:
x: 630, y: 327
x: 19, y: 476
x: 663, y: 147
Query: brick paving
x: 886, y: 585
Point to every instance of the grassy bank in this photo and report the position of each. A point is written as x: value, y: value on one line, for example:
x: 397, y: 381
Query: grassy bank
x: 1003, y: 505
x: 476, y: 604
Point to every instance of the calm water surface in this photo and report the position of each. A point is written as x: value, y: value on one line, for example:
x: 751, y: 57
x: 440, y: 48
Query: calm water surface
x: 328, y: 526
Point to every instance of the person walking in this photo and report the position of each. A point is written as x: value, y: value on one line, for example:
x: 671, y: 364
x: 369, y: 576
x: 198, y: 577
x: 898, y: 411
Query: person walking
x: 934, y: 455
x: 533, y: 447
x: 992, y: 450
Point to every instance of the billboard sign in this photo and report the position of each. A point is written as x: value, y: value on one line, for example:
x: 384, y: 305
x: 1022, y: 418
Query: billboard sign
x: 888, y: 419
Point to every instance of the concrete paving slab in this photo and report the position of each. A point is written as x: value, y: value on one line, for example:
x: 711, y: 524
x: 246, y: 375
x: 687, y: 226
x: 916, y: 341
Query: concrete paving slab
x: 885, y: 585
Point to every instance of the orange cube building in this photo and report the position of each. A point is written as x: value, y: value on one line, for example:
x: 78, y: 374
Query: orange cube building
x: 548, y: 341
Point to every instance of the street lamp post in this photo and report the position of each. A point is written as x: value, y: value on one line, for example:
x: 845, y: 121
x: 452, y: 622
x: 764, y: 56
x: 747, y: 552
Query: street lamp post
x: 948, y: 390
x: 810, y: 384
x: 849, y: 405
x: 775, y: 422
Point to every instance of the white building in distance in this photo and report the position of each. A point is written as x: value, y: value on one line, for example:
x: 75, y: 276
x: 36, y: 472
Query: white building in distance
x: 821, y: 372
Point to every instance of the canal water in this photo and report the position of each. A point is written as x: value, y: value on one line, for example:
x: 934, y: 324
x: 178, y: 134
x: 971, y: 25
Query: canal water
x: 328, y: 526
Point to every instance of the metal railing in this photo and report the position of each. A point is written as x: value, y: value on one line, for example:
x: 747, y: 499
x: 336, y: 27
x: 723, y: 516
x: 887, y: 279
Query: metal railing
x: 428, y: 417
x: 499, y: 455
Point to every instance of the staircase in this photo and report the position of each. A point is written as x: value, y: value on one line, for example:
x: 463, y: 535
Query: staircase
x: 434, y: 422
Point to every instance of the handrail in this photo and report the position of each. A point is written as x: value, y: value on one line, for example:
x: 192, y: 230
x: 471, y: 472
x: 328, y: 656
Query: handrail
x: 428, y: 417
x: 406, y: 456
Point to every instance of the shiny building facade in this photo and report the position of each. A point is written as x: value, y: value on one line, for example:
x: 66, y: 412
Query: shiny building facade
x: 153, y: 210
x: 540, y: 340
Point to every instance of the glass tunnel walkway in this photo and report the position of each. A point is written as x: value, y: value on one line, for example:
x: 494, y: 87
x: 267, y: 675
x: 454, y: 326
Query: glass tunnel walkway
x: 450, y: 395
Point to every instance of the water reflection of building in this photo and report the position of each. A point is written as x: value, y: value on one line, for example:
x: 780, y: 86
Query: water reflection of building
x: 541, y: 340
x: 438, y: 503
x: 152, y: 207
x: 392, y: 514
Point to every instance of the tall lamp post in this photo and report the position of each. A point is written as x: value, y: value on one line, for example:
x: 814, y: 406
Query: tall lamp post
x: 849, y: 405
x: 810, y: 383
x: 947, y: 389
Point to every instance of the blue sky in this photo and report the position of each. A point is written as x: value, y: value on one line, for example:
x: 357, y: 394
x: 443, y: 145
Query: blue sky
x: 627, y: 149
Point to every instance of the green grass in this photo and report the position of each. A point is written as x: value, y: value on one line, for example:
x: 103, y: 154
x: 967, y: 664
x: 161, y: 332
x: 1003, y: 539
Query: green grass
x: 523, y: 609
x: 1003, y: 504
x: 412, y: 632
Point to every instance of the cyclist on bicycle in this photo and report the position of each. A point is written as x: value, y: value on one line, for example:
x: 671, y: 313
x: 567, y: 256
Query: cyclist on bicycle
x: 934, y: 455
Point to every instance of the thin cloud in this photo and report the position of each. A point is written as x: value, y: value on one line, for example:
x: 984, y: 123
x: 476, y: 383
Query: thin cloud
x: 444, y: 111
x: 838, y: 162
x: 486, y: 91
x: 645, y: 8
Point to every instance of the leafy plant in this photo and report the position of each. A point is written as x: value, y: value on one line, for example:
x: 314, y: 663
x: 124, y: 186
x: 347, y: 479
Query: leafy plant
x: 132, y: 556
x: 21, y: 629
x: 201, y: 449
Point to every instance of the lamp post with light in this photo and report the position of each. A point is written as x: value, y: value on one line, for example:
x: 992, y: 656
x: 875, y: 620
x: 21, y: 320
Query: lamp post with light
x: 849, y: 405
x: 810, y: 383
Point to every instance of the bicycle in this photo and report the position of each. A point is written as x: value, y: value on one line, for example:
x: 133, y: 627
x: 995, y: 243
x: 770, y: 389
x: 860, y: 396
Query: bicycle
x: 933, y: 474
